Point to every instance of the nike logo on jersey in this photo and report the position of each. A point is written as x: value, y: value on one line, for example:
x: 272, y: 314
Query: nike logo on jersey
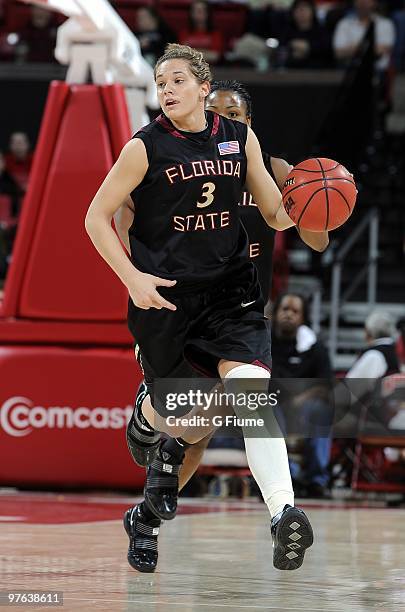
x: 246, y: 304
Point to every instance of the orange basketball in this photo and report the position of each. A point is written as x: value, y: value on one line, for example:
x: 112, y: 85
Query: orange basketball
x: 319, y: 194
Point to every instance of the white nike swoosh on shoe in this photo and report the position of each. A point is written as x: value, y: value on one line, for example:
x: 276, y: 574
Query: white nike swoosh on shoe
x: 245, y: 305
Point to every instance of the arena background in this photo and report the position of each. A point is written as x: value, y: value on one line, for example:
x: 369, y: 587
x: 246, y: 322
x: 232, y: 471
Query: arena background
x: 67, y: 373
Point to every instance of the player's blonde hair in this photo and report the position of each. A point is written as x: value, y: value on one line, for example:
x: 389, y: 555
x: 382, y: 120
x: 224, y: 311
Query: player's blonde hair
x: 198, y: 66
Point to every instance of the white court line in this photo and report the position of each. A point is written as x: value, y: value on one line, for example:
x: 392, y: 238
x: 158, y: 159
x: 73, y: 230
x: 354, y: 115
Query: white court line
x: 12, y: 518
x: 210, y: 604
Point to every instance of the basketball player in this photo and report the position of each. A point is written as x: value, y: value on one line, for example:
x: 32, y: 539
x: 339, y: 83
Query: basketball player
x: 229, y: 99
x: 209, y: 307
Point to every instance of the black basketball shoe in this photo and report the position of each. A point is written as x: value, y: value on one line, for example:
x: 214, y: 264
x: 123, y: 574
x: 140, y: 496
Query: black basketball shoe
x: 162, y: 482
x: 143, y: 535
x: 292, y: 535
x: 142, y: 439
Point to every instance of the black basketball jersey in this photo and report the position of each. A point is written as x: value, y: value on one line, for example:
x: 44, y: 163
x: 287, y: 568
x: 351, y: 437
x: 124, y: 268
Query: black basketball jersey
x: 187, y: 219
x: 261, y: 236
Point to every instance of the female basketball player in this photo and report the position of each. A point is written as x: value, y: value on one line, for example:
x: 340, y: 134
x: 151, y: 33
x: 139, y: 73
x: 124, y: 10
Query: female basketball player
x: 229, y: 99
x: 185, y: 172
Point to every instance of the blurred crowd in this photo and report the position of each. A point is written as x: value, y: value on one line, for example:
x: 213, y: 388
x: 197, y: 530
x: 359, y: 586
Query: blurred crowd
x: 263, y: 34
x: 311, y: 408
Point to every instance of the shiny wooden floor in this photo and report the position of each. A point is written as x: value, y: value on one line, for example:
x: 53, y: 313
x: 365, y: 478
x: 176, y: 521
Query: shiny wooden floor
x: 214, y: 557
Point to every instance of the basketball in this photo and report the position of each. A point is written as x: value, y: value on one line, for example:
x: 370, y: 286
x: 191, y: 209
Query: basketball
x: 319, y: 194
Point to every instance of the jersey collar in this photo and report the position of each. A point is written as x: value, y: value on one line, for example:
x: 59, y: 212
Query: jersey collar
x: 167, y: 125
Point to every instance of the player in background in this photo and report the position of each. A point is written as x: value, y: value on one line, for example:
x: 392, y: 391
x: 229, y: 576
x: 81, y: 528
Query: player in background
x: 209, y: 306
x: 229, y: 99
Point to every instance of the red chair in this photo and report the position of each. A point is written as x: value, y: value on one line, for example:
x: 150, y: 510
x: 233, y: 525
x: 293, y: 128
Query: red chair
x: 175, y: 13
x: 371, y: 470
x: 230, y: 20
x: 17, y: 16
x: 128, y: 15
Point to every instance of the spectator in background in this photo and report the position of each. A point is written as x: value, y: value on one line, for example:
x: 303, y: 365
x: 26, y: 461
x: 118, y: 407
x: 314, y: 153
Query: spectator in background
x: 19, y: 159
x: 335, y: 14
x: 378, y: 360
x: 201, y: 34
x: 298, y: 354
x: 266, y: 20
x: 305, y: 41
x: 350, y: 32
x: 153, y: 33
x: 9, y: 206
x: 380, y: 357
x: 8, y: 186
x: 400, y: 345
x: 399, y: 49
x: 38, y: 38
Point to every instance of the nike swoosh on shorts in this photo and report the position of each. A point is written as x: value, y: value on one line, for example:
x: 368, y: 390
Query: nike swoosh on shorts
x: 247, y: 304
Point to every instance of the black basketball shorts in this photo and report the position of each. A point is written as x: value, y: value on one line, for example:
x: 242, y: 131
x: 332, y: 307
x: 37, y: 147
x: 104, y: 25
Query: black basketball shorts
x: 225, y: 321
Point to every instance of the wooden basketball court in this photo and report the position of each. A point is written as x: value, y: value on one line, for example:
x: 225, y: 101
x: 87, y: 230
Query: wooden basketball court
x: 215, y: 556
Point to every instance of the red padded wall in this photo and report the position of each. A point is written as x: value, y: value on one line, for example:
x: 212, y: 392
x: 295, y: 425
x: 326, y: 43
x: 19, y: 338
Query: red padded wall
x: 118, y: 122
x: 55, y: 106
x: 65, y: 277
x: 63, y: 414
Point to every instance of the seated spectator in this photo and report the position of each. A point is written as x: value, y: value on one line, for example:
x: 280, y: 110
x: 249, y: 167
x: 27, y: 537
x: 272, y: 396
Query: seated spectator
x: 399, y: 49
x: 8, y: 186
x: 350, y: 32
x: 153, y: 33
x: 400, y: 345
x: 265, y: 20
x: 297, y: 353
x: 19, y: 159
x: 201, y: 34
x: 304, y: 39
x: 38, y: 38
x: 8, y: 209
x: 380, y: 357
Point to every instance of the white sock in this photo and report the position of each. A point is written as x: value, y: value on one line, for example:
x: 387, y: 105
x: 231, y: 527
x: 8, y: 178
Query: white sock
x: 267, y: 456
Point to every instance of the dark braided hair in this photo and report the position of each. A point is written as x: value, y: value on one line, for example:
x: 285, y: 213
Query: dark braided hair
x: 236, y: 87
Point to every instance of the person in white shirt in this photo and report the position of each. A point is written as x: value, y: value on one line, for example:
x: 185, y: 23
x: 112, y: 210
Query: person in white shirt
x: 379, y: 358
x: 351, y: 29
x: 376, y: 361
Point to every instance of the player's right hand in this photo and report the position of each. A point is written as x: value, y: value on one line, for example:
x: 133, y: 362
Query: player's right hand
x: 144, y: 294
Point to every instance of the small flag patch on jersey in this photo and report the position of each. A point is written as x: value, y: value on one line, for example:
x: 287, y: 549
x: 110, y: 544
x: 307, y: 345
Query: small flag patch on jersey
x: 226, y: 148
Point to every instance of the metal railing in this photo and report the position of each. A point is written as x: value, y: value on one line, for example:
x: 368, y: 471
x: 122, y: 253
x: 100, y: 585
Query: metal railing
x: 369, y: 270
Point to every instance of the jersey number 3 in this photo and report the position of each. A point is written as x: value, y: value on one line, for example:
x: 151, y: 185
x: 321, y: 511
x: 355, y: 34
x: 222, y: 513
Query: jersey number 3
x: 207, y: 194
